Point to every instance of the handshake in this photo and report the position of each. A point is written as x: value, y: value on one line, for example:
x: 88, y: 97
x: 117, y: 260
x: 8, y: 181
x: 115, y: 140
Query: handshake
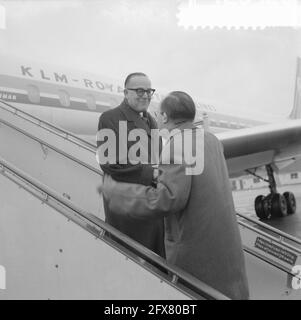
x: 156, y: 172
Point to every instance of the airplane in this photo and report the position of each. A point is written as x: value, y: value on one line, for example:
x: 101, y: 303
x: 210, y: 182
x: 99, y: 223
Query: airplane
x: 74, y: 101
x: 28, y: 85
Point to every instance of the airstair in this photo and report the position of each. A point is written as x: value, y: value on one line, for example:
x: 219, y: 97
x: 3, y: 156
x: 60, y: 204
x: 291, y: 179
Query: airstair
x: 273, y: 260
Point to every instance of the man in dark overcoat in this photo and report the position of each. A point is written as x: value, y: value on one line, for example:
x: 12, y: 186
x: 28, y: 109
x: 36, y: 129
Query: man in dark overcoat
x: 132, y: 114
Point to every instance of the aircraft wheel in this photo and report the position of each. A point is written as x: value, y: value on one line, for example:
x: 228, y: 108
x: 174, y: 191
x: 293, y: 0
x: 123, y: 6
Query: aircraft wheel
x: 279, y: 206
x: 290, y: 202
x: 267, y: 206
x: 259, y: 208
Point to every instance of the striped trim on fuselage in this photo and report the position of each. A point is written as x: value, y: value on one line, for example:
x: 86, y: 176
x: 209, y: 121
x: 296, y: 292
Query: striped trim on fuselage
x: 79, y: 105
x: 54, y: 102
x: 64, y: 97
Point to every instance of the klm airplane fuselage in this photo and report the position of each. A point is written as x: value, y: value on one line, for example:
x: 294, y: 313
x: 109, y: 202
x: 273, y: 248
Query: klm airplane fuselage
x: 74, y: 101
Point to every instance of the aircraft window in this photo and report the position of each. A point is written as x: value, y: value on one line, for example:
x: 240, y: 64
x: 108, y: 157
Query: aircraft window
x: 256, y: 180
x: 234, y: 185
x: 33, y: 93
x: 224, y: 123
x: 91, y: 102
x: 294, y: 175
x: 213, y: 122
x: 64, y: 98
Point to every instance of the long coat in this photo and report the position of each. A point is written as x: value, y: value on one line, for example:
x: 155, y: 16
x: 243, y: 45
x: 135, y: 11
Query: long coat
x: 150, y: 234
x: 201, y: 230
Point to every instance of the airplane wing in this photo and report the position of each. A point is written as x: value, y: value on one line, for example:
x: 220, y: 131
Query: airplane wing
x: 252, y: 148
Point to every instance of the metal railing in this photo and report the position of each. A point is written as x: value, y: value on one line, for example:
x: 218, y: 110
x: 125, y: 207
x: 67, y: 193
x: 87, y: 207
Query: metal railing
x: 282, y: 235
x: 48, y: 126
x: 174, y: 276
x: 43, y: 143
x: 273, y: 239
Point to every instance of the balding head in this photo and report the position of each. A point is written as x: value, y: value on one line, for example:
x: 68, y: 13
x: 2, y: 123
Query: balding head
x: 178, y: 105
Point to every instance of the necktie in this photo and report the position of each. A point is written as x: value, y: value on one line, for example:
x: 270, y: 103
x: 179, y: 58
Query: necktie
x: 143, y: 117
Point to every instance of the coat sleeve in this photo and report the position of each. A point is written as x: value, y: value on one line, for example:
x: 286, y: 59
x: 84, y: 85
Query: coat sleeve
x: 140, y: 173
x: 145, y: 202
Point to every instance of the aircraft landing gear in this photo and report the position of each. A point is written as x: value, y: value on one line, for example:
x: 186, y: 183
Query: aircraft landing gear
x: 274, y: 204
x: 291, y: 202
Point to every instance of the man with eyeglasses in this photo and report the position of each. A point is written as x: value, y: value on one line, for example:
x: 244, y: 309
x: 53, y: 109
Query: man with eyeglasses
x: 133, y: 110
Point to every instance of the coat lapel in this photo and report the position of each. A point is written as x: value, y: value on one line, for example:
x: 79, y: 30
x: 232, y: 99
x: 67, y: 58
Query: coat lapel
x: 133, y: 116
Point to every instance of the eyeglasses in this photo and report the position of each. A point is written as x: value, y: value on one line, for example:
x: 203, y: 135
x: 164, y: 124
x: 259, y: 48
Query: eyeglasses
x: 140, y: 91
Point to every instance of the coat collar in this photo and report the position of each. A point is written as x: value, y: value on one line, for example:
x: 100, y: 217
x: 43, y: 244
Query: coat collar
x: 181, y: 125
x: 128, y: 112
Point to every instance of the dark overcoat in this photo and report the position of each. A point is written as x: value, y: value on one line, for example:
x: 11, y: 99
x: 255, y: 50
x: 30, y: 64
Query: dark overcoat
x: 148, y: 233
x: 201, y: 231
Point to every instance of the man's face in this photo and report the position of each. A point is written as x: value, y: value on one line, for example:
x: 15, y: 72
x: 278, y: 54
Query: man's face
x: 137, y: 103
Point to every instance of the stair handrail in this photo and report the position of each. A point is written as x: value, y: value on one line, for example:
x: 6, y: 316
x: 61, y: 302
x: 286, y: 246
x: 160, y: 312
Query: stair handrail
x: 277, y: 231
x: 49, y: 126
x: 205, y: 291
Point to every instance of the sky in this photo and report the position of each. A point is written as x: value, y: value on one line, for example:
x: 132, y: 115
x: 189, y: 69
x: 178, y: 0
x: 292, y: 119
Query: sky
x: 245, y: 70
